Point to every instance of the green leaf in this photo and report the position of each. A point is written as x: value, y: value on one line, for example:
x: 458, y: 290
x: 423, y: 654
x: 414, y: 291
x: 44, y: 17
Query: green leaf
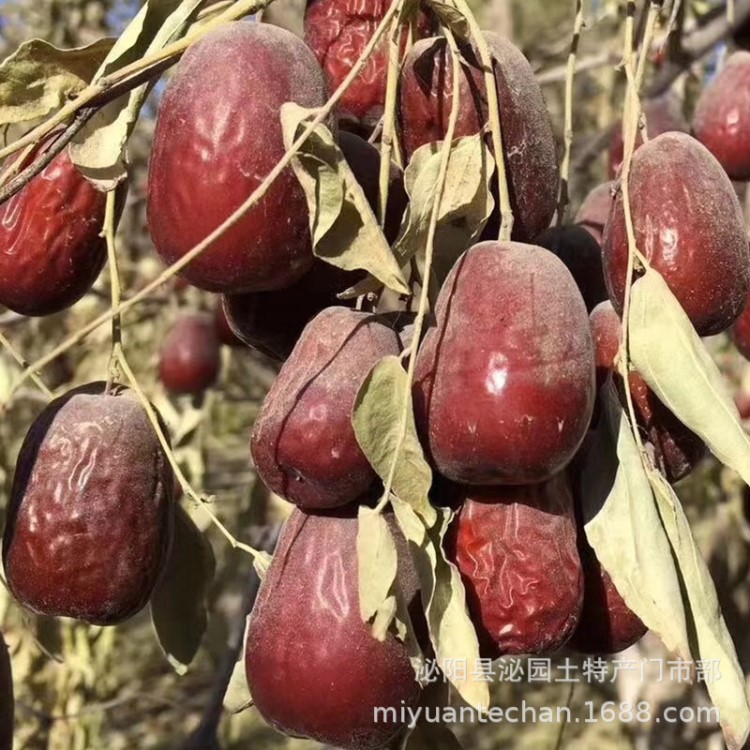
x: 710, y: 639
x: 99, y: 149
x: 668, y: 353
x: 623, y: 527
x: 452, y: 633
x: 376, y: 417
x: 38, y: 77
x: 238, y: 698
x: 178, y: 606
x: 344, y: 229
x: 377, y: 565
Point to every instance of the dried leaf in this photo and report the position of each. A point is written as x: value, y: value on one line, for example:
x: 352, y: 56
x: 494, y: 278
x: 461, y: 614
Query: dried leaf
x: 710, y: 641
x: 38, y: 77
x: 376, y: 417
x: 344, y: 229
x: 668, y: 353
x: 99, y: 149
x: 178, y: 604
x: 450, y: 17
x: 377, y: 563
x: 237, y: 697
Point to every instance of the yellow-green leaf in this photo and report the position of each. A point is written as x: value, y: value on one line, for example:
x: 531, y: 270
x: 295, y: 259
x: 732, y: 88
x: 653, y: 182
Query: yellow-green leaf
x: 451, y: 17
x: 38, y: 77
x: 237, y: 697
x: 710, y: 640
x: 377, y: 565
x: 668, y: 353
x: 344, y: 229
x: 378, y: 412
x: 178, y: 604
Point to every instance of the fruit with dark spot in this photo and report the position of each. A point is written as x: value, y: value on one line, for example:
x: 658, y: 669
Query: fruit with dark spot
x: 272, y: 322
x: 51, y: 250
x: 722, y: 116
x: 689, y: 225
x: 607, y: 625
x: 425, y: 97
x: 663, y: 115
x: 740, y: 331
x: 582, y: 256
x: 303, y: 442
x: 7, y: 702
x: 677, y: 449
x: 516, y: 550
x: 202, y: 169
x: 313, y: 667
x: 90, y: 517
x: 594, y: 211
x: 338, y: 31
x: 504, y: 384
x: 190, y: 356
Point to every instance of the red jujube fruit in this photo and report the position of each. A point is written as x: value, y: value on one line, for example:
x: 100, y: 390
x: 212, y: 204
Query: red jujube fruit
x: 90, y: 517
x: 504, y: 384
x: 190, y: 355
x: 594, y: 211
x: 516, y: 550
x: 51, y: 250
x: 218, y: 135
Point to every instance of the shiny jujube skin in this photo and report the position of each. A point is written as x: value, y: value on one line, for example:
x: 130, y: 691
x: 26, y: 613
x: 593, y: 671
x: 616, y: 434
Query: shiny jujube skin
x: 722, y: 116
x: 204, y: 165
x: 516, y: 550
x: 504, y: 384
x: 594, y: 211
x: 90, y: 517
x: 424, y: 104
x: 7, y: 702
x: 677, y: 448
x: 607, y: 625
x: 313, y: 667
x: 663, y: 115
x: 689, y: 225
x: 338, y: 31
x: 51, y: 251
x: 303, y: 442
x: 190, y: 355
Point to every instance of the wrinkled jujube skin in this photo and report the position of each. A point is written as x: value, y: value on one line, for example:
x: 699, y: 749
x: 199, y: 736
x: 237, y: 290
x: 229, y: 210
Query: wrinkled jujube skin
x: 594, y: 211
x: 722, y: 116
x: 190, y: 357
x: 607, y: 625
x: 663, y: 115
x: 338, y: 31
x: 516, y: 550
x: 202, y: 168
x: 313, y: 667
x: 425, y: 97
x: 7, y: 701
x: 504, y: 384
x: 90, y: 518
x: 50, y: 246
x: 272, y: 322
x: 740, y: 331
x: 303, y: 442
x: 677, y: 449
x: 689, y: 225
x: 582, y: 256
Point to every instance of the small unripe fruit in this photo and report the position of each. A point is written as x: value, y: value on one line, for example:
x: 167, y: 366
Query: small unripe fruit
x: 190, y: 356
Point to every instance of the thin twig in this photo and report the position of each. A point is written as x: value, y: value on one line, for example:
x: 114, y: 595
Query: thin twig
x: 115, y: 288
x: 18, y: 357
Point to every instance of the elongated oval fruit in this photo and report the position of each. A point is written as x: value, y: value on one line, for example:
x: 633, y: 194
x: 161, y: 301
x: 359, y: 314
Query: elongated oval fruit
x: 677, y: 449
x: 90, y: 517
x: 7, y: 701
x: 51, y: 250
x: 516, y: 550
x: 303, y: 442
x: 689, y: 225
x: 504, y: 384
x: 190, y: 357
x: 425, y: 98
x: 594, y: 211
x: 722, y: 116
x: 313, y: 667
x: 218, y: 135
x: 338, y: 31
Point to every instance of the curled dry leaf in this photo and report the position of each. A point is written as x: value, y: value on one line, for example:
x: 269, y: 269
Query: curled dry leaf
x: 38, y: 77
x: 344, y: 229
x: 237, y: 697
x: 668, y: 353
